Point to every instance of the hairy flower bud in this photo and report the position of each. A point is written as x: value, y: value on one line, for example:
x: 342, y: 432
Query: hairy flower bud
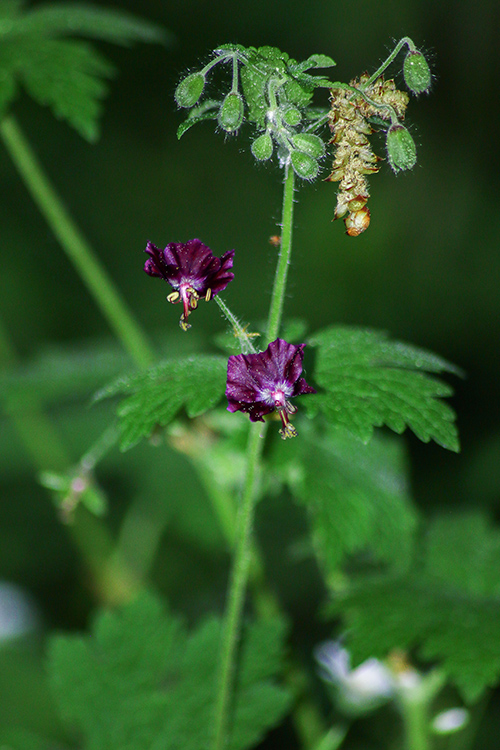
x: 401, y: 149
x: 189, y: 90
x: 309, y: 144
x: 304, y: 166
x: 292, y: 116
x: 416, y: 72
x: 262, y: 147
x: 231, y: 113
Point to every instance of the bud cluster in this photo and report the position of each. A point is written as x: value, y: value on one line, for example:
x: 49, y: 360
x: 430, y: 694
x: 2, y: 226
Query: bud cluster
x: 351, y: 117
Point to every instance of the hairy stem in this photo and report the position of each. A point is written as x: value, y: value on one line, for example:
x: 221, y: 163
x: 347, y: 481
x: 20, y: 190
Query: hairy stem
x: 279, y: 289
x: 74, y: 244
x: 237, y: 588
x: 242, y: 554
x: 390, y: 59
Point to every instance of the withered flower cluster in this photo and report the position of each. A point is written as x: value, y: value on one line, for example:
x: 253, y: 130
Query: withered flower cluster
x: 350, y: 123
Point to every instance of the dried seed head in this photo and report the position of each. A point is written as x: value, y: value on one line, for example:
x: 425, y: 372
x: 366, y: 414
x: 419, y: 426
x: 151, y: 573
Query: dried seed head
x: 354, y: 157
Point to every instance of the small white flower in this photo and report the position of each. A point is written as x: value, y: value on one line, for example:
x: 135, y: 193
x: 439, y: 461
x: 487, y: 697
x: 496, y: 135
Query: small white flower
x: 362, y: 688
x: 450, y: 721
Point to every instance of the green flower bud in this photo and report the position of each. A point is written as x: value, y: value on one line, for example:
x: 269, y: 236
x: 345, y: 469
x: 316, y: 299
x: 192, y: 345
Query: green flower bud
x: 292, y: 116
x: 309, y: 144
x: 304, y: 165
x: 262, y: 147
x: 189, y: 90
x: 401, y: 149
x: 416, y: 71
x: 231, y: 113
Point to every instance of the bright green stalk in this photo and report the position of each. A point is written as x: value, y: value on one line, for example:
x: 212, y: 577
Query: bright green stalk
x: 414, y: 705
x: 242, y: 554
x: 74, y: 244
x: 279, y: 289
x: 238, y: 584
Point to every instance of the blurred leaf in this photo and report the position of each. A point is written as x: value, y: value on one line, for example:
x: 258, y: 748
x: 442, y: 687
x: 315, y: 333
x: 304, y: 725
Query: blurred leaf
x: 55, y: 375
x: 370, y: 381
x: 447, y: 606
x: 357, y: 496
x: 88, y: 20
x: 67, y: 76
x: 158, y: 394
x: 140, y: 681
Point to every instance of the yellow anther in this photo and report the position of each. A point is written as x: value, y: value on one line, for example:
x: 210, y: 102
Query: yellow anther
x: 208, y: 295
x: 184, y: 324
x: 288, y: 431
x: 173, y: 297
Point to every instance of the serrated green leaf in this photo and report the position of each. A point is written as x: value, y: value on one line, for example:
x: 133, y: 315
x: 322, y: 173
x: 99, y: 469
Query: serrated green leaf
x: 64, y: 75
x: 88, y: 20
x: 357, y: 496
x: 447, y: 606
x: 68, y: 77
x: 109, y: 685
x: 156, y: 396
x: 370, y: 381
x: 139, y: 682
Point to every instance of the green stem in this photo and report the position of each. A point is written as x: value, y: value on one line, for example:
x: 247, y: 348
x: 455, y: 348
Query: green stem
x: 74, y: 244
x: 237, y: 588
x: 390, y: 59
x: 245, y: 340
x: 414, y: 705
x: 279, y: 289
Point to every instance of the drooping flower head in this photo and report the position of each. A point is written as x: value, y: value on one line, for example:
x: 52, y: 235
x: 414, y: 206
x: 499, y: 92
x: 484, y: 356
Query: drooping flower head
x: 259, y: 384
x: 192, y: 272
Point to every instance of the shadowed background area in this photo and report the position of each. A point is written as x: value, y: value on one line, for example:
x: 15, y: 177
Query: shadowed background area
x: 427, y: 269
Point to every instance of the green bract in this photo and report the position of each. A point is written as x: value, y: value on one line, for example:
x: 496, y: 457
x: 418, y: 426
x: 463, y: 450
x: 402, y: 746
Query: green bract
x: 309, y: 144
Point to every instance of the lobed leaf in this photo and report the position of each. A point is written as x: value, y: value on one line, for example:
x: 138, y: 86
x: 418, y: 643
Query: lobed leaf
x: 370, y: 381
x: 447, y: 606
x: 156, y: 396
x: 140, y: 682
x: 68, y: 76
x: 357, y: 496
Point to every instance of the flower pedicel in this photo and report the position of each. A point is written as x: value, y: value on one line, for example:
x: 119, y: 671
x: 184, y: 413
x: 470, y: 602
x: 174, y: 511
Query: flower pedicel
x: 259, y: 384
x: 192, y: 272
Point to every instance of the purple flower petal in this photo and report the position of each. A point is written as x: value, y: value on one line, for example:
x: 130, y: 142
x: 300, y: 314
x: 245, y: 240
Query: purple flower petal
x: 191, y: 270
x: 259, y: 384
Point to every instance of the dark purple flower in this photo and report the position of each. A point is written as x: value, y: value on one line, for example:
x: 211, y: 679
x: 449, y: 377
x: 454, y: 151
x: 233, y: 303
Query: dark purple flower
x: 259, y: 384
x: 192, y: 272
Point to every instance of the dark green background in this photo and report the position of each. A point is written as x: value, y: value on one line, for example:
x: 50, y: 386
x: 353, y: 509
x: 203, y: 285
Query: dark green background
x: 428, y: 268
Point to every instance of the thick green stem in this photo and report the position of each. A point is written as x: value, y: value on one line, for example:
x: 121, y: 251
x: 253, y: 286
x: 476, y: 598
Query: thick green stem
x: 74, y: 244
x: 279, y: 289
x: 237, y: 588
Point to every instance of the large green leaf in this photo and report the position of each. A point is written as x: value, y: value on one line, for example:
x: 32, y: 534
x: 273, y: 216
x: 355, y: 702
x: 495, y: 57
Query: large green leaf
x: 357, y: 495
x: 447, y: 606
x: 68, y: 76
x: 368, y: 381
x: 154, y: 397
x: 141, y: 682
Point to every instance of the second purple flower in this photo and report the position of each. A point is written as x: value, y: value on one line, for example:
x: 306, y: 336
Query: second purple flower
x: 192, y: 272
x: 259, y: 384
